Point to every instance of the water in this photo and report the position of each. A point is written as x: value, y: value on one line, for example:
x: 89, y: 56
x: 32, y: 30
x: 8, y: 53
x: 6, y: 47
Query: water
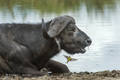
x: 98, y: 18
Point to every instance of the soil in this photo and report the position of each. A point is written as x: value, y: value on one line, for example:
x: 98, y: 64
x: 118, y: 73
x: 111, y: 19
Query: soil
x: 102, y: 75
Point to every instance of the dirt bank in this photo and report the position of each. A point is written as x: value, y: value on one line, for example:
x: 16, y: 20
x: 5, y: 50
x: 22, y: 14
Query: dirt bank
x: 102, y: 75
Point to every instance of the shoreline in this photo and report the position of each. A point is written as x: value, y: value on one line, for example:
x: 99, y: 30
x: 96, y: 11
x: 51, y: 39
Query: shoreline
x: 101, y: 75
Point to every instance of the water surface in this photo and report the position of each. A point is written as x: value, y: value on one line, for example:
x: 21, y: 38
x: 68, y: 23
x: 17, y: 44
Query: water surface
x: 98, y: 18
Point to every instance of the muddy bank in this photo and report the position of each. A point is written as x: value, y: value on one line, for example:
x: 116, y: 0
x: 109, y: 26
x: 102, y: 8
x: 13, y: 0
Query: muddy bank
x: 102, y: 75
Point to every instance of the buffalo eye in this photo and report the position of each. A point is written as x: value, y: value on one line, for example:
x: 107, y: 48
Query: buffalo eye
x: 71, y: 28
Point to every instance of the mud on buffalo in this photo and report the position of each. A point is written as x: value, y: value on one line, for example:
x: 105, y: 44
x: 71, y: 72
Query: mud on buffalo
x: 26, y: 48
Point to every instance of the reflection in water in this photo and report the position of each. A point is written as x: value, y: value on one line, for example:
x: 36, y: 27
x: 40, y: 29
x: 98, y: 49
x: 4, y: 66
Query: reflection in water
x: 14, y: 8
x: 57, y: 6
x: 98, y: 18
x: 98, y: 6
x: 40, y: 6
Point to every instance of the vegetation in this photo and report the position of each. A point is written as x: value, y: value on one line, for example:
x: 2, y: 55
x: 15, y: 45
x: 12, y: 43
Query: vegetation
x: 54, y: 6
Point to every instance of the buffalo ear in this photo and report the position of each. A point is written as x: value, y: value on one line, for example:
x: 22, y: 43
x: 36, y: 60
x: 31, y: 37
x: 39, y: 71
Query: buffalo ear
x: 58, y: 24
x: 44, y: 29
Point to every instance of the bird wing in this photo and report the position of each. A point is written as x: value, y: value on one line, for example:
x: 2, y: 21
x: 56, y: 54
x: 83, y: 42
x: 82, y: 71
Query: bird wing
x: 65, y: 56
x: 73, y: 59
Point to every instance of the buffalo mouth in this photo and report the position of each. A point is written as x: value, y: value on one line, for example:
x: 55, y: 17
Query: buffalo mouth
x: 75, y: 50
x: 80, y: 50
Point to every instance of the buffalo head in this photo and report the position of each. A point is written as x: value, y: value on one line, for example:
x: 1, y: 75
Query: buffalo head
x: 67, y: 35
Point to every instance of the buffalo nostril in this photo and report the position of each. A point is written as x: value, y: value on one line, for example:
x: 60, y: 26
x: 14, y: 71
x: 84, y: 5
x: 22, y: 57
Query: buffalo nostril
x: 88, y: 41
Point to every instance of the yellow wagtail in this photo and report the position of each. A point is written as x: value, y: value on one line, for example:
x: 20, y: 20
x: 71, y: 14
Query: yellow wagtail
x: 69, y: 58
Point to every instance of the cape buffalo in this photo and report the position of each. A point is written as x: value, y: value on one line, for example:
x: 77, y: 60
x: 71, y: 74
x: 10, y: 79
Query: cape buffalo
x: 27, y: 48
